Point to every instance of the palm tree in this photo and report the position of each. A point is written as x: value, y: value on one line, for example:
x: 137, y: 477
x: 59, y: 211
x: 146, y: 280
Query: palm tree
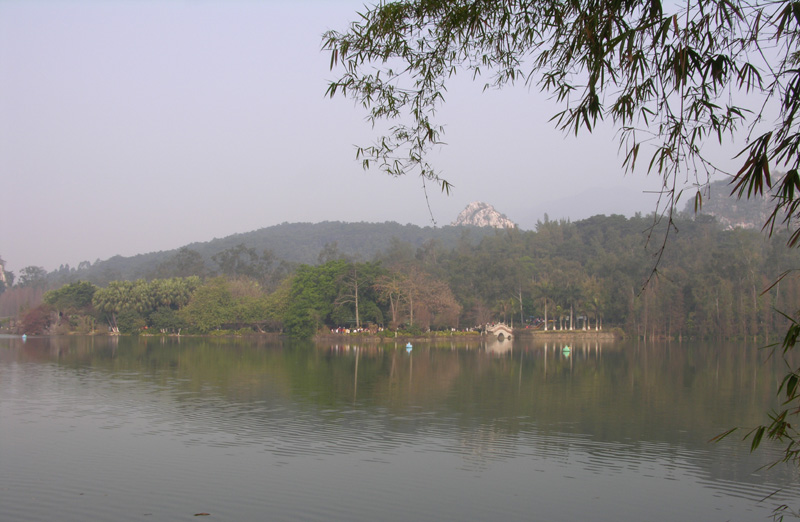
x: 560, y: 315
x: 544, y: 292
x: 594, y: 303
x: 571, y: 295
x: 113, y: 299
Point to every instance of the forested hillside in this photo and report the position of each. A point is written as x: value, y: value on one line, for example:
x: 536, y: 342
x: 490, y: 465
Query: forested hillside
x: 291, y: 243
x: 596, y: 273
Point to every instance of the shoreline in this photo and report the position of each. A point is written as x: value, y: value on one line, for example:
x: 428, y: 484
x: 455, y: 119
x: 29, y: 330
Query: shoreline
x: 521, y: 334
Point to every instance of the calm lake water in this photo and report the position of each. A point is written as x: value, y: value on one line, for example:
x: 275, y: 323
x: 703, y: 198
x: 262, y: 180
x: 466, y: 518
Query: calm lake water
x: 163, y: 429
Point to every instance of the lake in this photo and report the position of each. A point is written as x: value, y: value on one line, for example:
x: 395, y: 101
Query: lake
x: 98, y: 428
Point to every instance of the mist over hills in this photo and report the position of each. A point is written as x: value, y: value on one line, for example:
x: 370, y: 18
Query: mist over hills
x: 729, y: 211
x: 303, y: 243
x: 292, y: 243
x: 588, y: 202
x: 296, y: 243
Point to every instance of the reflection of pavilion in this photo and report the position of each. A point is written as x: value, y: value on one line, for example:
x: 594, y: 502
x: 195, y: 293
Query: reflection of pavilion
x: 498, y: 345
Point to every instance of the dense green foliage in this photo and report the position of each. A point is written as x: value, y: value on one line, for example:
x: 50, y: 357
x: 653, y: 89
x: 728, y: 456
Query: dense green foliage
x: 71, y: 305
x: 71, y: 298
x: 598, y: 267
x: 126, y: 305
x: 589, y: 274
x: 312, y: 297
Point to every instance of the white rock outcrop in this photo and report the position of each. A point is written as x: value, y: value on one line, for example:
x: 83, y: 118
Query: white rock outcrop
x: 479, y: 214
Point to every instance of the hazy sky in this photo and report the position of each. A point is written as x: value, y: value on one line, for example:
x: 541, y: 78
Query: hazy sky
x: 131, y: 127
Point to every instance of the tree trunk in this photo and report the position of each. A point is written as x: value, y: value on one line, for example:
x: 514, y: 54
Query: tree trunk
x: 545, y: 314
x: 393, y: 307
x: 571, y: 327
x: 358, y: 321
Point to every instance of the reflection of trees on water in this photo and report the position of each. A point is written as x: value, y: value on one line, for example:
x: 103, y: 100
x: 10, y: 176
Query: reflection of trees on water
x: 602, y: 404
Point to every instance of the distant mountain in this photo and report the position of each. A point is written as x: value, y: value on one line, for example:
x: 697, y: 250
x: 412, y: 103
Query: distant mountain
x: 479, y: 214
x: 585, y: 203
x: 731, y: 212
x: 289, y: 242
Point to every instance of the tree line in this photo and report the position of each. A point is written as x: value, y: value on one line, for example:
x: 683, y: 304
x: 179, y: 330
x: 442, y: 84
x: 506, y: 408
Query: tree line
x: 292, y: 243
x: 593, y: 274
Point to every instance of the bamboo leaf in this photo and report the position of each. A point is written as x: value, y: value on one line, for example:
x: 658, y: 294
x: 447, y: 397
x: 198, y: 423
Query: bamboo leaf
x: 758, y: 433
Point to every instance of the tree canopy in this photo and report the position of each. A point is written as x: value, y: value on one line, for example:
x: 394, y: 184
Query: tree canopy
x: 669, y: 76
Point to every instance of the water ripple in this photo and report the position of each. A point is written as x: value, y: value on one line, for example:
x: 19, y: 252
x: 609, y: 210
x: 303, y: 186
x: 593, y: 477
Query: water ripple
x: 167, y: 446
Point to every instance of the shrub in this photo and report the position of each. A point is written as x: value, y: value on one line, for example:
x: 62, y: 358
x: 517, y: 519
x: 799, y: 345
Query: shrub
x: 37, y: 320
x: 130, y: 322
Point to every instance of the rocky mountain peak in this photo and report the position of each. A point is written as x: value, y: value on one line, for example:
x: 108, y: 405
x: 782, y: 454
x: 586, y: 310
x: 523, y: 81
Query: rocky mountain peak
x: 731, y: 212
x: 479, y: 214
